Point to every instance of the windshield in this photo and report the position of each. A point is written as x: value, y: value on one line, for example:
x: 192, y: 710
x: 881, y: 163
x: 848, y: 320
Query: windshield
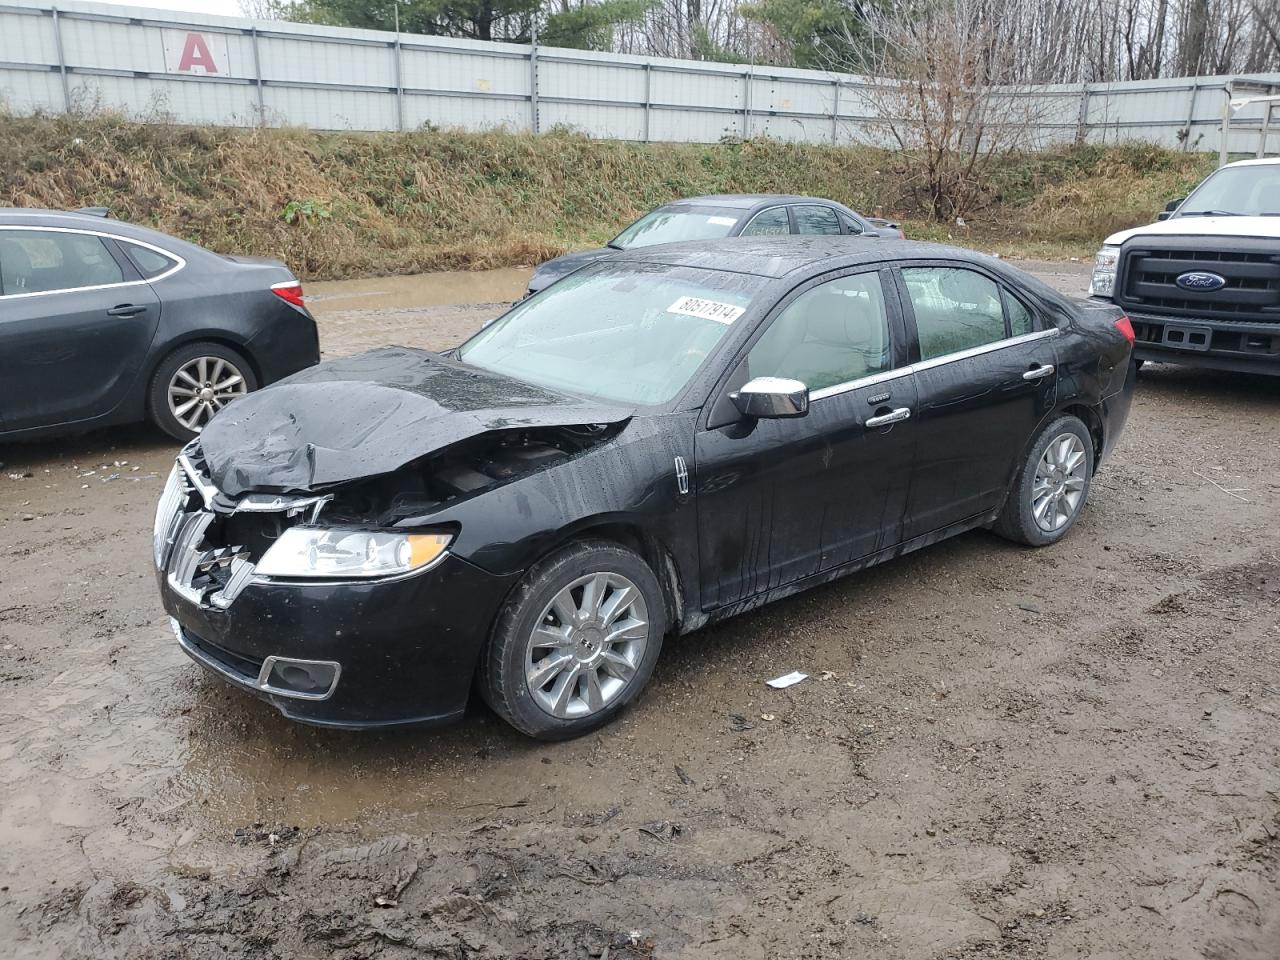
x: 1251, y: 191
x: 673, y: 224
x: 628, y: 332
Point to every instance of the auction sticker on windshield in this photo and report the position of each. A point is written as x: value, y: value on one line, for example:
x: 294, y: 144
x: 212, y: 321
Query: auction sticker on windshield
x: 722, y: 221
x: 707, y: 309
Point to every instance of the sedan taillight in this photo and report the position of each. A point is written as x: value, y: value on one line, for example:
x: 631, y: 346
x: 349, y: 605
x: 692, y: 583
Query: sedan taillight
x: 1126, y: 328
x: 290, y: 291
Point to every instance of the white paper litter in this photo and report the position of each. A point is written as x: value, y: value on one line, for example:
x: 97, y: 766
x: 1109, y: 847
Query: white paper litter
x: 787, y: 680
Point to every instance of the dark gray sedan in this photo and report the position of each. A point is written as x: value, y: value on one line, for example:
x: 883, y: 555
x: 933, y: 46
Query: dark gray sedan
x: 724, y: 215
x: 103, y: 323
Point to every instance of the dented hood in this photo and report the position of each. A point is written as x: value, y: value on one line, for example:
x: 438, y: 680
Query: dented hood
x: 371, y: 414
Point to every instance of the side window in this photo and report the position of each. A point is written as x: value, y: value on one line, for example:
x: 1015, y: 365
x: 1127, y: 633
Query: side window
x: 833, y: 333
x: 768, y: 223
x: 39, y: 261
x: 812, y: 218
x: 955, y: 309
x: 851, y: 226
x: 1021, y: 319
x: 149, y: 263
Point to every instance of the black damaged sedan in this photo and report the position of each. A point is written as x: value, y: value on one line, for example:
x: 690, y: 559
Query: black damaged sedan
x: 664, y: 439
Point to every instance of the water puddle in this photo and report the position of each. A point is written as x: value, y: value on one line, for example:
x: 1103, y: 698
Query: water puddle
x: 418, y: 290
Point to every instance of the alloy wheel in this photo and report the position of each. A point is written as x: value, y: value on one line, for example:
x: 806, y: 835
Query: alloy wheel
x: 1059, y: 483
x: 587, y: 646
x: 201, y: 387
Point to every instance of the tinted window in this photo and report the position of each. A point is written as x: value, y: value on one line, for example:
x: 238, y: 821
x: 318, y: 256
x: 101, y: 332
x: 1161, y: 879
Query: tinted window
x: 1020, y: 318
x: 629, y: 332
x: 955, y: 309
x: 37, y: 261
x: 835, y: 332
x: 850, y: 225
x: 811, y: 218
x: 149, y: 263
x: 769, y: 223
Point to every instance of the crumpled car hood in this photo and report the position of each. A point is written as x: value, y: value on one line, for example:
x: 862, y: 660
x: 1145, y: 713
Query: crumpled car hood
x: 369, y: 415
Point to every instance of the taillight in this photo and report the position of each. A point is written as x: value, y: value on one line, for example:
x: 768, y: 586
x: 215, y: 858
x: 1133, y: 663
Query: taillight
x: 1126, y: 328
x: 290, y: 291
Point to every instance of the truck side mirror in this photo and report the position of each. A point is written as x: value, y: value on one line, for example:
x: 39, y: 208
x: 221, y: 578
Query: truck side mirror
x: 1170, y: 207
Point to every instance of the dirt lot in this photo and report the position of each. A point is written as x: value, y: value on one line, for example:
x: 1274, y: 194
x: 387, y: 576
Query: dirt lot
x: 1001, y: 753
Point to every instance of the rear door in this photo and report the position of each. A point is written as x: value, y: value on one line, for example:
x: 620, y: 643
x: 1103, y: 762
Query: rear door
x: 76, y: 322
x: 986, y: 378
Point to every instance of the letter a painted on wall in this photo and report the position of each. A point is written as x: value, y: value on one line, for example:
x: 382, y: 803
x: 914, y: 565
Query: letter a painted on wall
x: 195, y: 53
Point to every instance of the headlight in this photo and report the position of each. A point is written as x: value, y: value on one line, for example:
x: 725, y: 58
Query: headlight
x: 310, y: 552
x: 1103, y: 282
x: 170, y: 500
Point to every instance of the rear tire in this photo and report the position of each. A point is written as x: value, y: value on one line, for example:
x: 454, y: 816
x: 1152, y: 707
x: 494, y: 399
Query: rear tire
x: 576, y: 641
x: 193, y: 383
x: 1051, y: 487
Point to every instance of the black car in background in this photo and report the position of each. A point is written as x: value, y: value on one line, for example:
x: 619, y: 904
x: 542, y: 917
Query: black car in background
x: 669, y: 437
x: 726, y: 215
x: 103, y: 322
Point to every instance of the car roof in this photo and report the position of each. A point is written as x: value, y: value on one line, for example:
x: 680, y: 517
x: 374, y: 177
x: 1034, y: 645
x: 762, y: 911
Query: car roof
x: 745, y: 201
x: 27, y: 217
x: 776, y: 257
x: 1256, y: 162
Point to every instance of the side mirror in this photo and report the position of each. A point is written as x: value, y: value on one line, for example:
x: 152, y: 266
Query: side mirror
x: 772, y: 398
x: 1170, y: 208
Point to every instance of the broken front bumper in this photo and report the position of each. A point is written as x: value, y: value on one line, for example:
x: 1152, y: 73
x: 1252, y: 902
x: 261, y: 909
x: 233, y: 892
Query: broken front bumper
x: 406, y: 649
x: 350, y: 653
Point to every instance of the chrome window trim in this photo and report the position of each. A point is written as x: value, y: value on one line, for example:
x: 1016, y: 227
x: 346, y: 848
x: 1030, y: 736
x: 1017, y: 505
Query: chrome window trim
x: 836, y: 389
x: 985, y: 348
x: 887, y: 375
x: 760, y: 213
x: 179, y: 262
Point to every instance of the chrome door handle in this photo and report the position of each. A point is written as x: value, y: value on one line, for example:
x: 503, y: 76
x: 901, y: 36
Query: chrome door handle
x: 893, y: 416
x: 1038, y: 373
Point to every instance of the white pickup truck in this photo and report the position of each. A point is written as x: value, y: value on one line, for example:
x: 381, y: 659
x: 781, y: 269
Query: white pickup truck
x: 1202, y: 285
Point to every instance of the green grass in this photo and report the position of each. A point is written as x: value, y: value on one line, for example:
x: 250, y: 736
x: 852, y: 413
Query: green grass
x: 349, y: 204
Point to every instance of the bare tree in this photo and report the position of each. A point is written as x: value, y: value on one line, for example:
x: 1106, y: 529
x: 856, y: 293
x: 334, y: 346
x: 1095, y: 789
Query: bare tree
x: 950, y: 99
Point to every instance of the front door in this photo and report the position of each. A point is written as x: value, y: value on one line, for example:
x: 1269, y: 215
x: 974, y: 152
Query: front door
x: 75, y: 327
x: 986, y: 379
x: 781, y: 500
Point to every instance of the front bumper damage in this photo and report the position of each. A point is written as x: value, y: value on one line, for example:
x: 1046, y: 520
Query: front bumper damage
x: 352, y: 654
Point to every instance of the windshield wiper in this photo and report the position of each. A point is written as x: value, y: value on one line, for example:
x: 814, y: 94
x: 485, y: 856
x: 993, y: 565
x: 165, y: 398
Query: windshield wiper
x: 1210, y: 213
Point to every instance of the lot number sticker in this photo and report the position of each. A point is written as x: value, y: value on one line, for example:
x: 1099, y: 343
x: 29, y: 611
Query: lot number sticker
x: 707, y: 309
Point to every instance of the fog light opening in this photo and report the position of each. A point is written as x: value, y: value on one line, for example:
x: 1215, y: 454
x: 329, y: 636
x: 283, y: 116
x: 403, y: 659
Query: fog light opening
x: 305, y: 679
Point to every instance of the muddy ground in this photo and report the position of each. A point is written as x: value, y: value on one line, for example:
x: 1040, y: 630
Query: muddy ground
x: 1002, y: 752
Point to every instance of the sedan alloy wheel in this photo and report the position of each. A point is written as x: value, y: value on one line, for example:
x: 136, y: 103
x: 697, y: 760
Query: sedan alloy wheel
x: 202, y: 387
x: 588, y: 644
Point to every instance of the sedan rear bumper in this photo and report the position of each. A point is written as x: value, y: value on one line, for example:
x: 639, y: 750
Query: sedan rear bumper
x: 396, y: 652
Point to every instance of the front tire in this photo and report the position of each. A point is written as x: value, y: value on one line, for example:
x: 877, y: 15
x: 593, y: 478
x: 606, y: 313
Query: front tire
x: 1051, y: 487
x: 576, y: 642
x: 193, y: 383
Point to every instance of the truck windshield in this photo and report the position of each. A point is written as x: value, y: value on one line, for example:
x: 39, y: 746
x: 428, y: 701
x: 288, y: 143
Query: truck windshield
x: 1248, y: 191
x: 627, y: 332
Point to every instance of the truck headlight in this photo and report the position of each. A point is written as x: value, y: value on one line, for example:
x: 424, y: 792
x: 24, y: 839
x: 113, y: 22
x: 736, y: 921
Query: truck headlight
x: 312, y: 552
x: 1103, y: 281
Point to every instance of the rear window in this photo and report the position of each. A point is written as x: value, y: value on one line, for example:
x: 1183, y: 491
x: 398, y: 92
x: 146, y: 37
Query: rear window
x: 150, y: 263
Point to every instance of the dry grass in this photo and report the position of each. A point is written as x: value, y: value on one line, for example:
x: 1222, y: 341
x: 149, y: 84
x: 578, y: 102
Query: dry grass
x: 348, y: 204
